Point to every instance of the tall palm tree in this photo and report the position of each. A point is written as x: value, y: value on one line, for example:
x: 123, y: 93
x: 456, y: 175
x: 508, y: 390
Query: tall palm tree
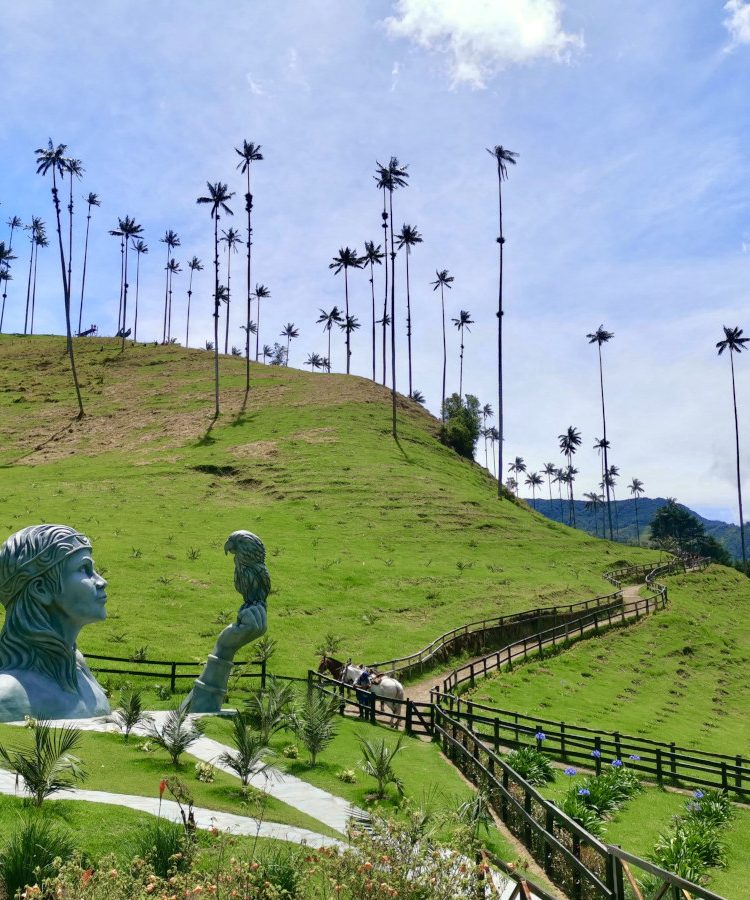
x: 52, y: 160
x: 218, y: 198
x: 549, y: 469
x: 115, y: 232
x: 347, y: 259
x: 140, y: 248
x: 349, y: 326
x: 443, y: 280
x: 534, y: 480
x: 6, y: 257
x: 372, y: 256
x: 517, y: 467
x: 36, y: 231
x: 487, y: 413
x: 636, y: 489
x: 569, y: 442
x: 494, y: 436
x: 173, y: 269
x: 172, y: 241
x: 194, y: 265
x: 599, y: 337
x: 386, y: 323
x: 592, y: 505
x: 735, y: 343
x: 314, y: 360
x: 289, y: 332
x: 267, y: 352
x: 261, y: 293
x: 381, y: 180
x: 40, y: 240
x: 91, y: 200
x: 249, y: 154
x: 251, y: 328
x: 390, y: 178
x: 611, y: 476
x: 503, y: 159
x: 559, y: 480
x: 328, y: 320
x: 231, y: 238
x: 462, y: 324
x: 14, y: 222
x: 74, y: 168
x: 129, y: 229
x: 408, y: 237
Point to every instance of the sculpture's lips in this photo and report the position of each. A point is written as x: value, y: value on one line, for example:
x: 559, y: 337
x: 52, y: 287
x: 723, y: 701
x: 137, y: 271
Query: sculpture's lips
x: 102, y: 598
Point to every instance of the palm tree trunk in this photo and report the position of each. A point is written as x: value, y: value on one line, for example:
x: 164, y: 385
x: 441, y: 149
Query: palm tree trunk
x: 137, y: 291
x: 604, y: 427
x: 637, y: 526
x: 393, y: 318
x: 617, y: 515
x: 33, y: 288
x: 385, y: 295
x: 229, y: 276
x: 562, y: 509
x: 28, y: 287
x: 70, y: 234
x: 445, y: 359
x: 83, y: 276
x: 408, y: 318
x: 125, y: 298
x: 501, y: 241
x: 249, y: 209
x: 66, y: 295
x: 461, y: 369
x: 122, y: 282
x: 216, y: 312
x: 166, y: 294
x: 187, y: 326
x: 739, y: 482
x: 372, y: 291
x: 257, y: 333
x: 329, y: 349
x: 346, y: 319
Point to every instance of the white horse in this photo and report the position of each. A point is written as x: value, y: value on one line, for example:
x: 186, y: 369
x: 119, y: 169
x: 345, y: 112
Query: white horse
x: 388, y: 690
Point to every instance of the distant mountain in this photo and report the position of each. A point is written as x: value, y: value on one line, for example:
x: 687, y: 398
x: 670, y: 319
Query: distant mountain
x: 623, y: 520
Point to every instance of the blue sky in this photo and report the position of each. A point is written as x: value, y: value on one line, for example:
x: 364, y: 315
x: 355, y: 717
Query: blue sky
x: 628, y: 206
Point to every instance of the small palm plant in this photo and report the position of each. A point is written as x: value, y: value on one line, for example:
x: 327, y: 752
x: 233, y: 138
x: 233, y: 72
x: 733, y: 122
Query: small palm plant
x: 48, y: 765
x: 130, y: 713
x: 270, y: 710
x: 377, y: 762
x: 177, y: 733
x: 475, y: 814
x: 251, y: 751
x: 315, y: 722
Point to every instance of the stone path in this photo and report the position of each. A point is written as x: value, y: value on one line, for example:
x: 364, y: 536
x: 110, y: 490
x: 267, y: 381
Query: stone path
x: 204, y: 818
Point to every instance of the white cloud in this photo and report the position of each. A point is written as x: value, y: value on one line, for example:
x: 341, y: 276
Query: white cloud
x: 737, y: 21
x: 480, y: 37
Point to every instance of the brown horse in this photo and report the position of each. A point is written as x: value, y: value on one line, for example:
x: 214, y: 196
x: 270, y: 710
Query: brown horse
x: 333, y: 667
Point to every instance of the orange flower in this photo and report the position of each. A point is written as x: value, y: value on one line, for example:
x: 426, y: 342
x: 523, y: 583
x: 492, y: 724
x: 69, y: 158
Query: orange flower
x: 162, y: 787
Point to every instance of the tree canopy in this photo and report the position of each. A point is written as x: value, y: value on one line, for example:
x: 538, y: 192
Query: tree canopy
x: 674, y: 522
x: 462, y: 425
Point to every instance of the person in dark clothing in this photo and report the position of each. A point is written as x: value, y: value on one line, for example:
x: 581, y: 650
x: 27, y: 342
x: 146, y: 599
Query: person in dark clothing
x: 364, y: 698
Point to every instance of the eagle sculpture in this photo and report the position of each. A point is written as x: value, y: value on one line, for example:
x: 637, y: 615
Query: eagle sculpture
x: 251, y: 578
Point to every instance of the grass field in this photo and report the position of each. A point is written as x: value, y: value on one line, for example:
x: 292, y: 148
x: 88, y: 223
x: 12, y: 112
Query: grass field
x: 362, y: 534
x: 680, y: 675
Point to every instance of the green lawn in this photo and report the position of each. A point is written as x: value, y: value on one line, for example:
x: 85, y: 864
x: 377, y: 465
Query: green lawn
x: 680, y: 675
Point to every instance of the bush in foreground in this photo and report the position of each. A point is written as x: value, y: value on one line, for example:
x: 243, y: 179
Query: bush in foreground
x: 29, y: 853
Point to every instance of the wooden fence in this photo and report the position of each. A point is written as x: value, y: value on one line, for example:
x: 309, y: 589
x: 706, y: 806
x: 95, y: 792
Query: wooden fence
x: 167, y: 669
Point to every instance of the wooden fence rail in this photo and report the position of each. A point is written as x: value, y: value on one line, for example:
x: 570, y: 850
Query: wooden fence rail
x: 169, y: 668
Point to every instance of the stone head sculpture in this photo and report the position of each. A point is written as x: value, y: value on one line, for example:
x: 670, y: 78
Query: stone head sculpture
x: 50, y: 590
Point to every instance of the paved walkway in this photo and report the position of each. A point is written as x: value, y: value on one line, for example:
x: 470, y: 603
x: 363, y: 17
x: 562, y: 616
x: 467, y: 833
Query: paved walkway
x: 204, y: 818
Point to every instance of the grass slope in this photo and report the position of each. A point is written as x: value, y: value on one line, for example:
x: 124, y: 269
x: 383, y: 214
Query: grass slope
x: 364, y: 535
x: 680, y: 675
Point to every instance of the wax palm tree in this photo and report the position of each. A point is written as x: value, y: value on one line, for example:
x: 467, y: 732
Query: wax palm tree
x: 735, y: 343
x: 289, y: 332
x: 385, y: 322
x: 251, y: 328
x: 381, y: 179
x: 612, y: 474
x: 349, y: 326
x: 172, y: 241
x: 91, y: 200
x: 593, y: 501
x: 549, y: 469
x: 52, y: 160
x: 13, y: 223
x: 487, y: 413
x: 328, y: 320
x: 231, y: 238
x: 462, y: 324
x: 347, y: 259
x: 559, y: 480
x: 503, y: 159
x: 390, y: 178
x: 636, y: 489
x: 494, y: 438
x: 140, y: 248
x: 517, y: 467
x: 267, y: 352
x: 6, y: 257
x: 173, y: 269
x: 443, y: 280
x: 408, y: 237
x: 218, y: 198
x: 129, y: 229
x: 36, y: 231
x: 372, y: 256
x: 261, y: 293
x: 115, y: 232
x: 40, y: 240
x: 599, y: 337
x: 314, y: 361
x: 569, y: 443
x: 534, y: 480
x: 249, y: 154
x: 194, y: 265
x: 74, y: 168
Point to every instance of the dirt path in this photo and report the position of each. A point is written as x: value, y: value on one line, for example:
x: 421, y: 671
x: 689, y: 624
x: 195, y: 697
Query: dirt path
x: 420, y: 690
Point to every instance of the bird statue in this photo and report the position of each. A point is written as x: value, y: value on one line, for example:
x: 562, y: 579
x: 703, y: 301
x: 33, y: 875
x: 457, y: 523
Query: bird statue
x: 251, y: 578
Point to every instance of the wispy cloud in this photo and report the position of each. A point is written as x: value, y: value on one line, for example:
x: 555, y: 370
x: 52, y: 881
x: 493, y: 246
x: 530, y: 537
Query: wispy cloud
x: 480, y: 37
x: 737, y: 21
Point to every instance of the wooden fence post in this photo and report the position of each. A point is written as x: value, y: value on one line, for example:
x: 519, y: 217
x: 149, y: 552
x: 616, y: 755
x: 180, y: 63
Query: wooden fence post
x: 496, y: 736
x: 173, y: 677
x: 562, y: 739
x: 738, y: 772
x: 263, y: 675
x: 409, y: 714
x: 672, y: 759
x: 659, y: 775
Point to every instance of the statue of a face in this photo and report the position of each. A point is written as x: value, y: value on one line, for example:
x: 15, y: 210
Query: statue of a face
x: 83, y: 598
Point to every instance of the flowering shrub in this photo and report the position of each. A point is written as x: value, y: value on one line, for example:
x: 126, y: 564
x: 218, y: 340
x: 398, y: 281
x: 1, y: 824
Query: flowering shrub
x: 348, y: 776
x: 205, y: 772
x: 532, y: 765
x: 291, y: 751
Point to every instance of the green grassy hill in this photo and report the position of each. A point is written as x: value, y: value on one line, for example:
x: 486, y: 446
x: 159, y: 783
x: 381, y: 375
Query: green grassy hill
x: 387, y: 545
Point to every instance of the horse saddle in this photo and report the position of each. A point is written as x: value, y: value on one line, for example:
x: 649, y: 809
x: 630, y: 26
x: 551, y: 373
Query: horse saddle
x: 376, y: 679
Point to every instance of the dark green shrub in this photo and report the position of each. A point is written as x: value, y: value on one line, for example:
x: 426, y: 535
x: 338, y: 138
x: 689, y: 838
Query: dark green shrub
x: 532, y: 765
x: 26, y: 858
x: 165, y: 846
x: 579, y: 812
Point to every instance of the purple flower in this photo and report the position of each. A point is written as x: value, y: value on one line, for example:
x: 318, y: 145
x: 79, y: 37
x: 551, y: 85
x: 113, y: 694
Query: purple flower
x: 693, y: 807
x: 596, y: 753
x: 635, y: 757
x: 699, y: 795
x: 584, y: 792
x: 540, y: 736
x: 616, y: 763
x: 570, y: 771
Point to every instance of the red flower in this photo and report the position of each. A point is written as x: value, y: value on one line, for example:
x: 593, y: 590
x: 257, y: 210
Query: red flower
x: 162, y: 787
